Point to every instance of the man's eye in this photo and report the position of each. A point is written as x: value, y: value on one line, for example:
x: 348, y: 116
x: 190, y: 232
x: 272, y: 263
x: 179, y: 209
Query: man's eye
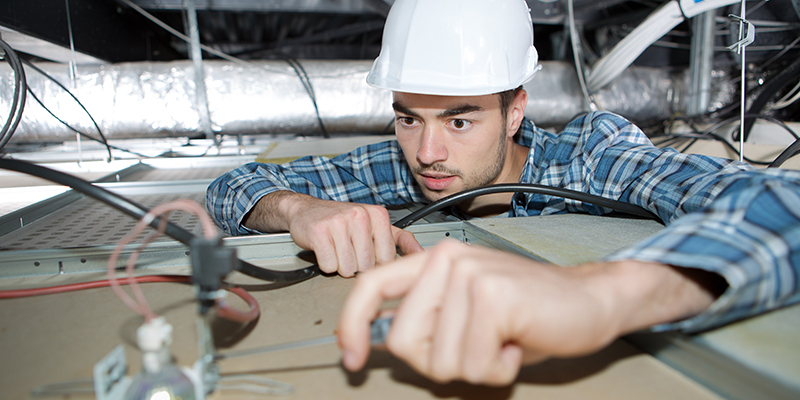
x: 406, y: 120
x: 460, y: 123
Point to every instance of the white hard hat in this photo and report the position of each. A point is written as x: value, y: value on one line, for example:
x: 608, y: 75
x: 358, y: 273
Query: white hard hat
x: 456, y: 47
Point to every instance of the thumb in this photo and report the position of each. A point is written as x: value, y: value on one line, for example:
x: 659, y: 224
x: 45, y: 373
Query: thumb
x: 406, y: 241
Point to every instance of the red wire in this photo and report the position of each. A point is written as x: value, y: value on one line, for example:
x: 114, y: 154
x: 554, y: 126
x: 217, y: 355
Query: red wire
x: 238, y: 316
x: 13, y: 294
x: 223, y: 312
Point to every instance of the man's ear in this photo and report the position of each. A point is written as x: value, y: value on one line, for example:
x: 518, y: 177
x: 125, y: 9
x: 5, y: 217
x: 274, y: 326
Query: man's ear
x: 517, y: 111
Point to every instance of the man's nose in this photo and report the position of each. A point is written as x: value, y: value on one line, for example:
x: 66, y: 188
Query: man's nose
x: 432, y: 148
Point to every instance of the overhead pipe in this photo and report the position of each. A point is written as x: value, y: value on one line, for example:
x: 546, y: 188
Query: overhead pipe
x: 151, y: 100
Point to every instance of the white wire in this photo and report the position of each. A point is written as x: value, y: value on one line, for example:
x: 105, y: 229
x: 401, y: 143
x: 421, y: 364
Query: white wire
x: 786, y: 100
x: 656, y: 25
x: 626, y: 51
x: 575, y: 41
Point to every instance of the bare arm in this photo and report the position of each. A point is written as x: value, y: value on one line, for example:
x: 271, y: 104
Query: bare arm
x: 477, y: 314
x: 346, y: 237
x: 268, y: 215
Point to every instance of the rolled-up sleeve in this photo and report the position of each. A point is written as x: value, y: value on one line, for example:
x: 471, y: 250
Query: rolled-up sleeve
x: 749, y: 235
x: 374, y: 174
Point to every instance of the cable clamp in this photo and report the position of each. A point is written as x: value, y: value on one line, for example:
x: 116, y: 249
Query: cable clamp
x: 744, y: 39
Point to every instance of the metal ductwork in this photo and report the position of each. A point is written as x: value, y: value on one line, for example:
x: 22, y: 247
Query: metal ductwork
x: 140, y: 100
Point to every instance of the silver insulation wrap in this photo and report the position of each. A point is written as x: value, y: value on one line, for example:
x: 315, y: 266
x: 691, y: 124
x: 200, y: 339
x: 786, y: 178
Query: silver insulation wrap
x: 146, y: 100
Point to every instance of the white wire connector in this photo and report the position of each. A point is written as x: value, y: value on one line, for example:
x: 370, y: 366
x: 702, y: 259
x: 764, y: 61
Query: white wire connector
x: 154, y: 339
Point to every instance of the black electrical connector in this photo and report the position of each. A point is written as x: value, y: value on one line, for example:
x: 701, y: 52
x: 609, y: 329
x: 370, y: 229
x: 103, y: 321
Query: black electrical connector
x: 212, y: 261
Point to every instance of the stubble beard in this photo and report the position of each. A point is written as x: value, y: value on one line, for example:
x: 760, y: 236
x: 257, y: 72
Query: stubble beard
x: 476, y: 179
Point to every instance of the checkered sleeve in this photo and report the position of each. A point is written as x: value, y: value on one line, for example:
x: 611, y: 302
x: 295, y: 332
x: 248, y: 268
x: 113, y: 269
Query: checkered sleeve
x: 722, y: 216
x: 749, y: 234
x: 374, y: 174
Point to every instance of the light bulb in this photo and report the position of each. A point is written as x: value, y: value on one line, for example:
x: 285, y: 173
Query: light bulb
x: 160, y: 378
x: 168, y: 384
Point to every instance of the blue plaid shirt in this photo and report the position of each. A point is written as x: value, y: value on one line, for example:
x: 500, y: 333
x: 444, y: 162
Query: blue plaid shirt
x: 722, y: 216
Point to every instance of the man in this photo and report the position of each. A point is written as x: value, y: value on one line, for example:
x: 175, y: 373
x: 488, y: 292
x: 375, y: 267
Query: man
x: 455, y: 68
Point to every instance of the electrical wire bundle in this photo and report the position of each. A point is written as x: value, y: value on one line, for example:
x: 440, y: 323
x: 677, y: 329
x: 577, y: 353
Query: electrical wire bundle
x: 711, y: 134
x: 138, y: 303
x: 20, y: 90
x: 138, y: 211
x: 176, y: 232
x: 102, y: 139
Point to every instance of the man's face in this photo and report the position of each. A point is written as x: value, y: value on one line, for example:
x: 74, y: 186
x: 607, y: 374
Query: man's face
x: 451, y: 143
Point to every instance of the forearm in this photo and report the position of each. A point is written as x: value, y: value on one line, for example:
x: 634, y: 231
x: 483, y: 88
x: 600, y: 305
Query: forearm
x: 272, y: 212
x: 750, y: 236
x: 263, y: 217
x: 235, y: 194
x: 643, y: 294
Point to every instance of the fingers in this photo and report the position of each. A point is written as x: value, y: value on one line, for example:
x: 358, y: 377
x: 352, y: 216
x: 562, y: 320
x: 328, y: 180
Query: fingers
x: 476, y: 314
x: 416, y: 321
x: 488, y: 359
x: 352, y: 238
x: 363, y: 303
x: 382, y: 236
x: 406, y: 241
x: 449, y: 342
x: 346, y: 237
x: 440, y: 331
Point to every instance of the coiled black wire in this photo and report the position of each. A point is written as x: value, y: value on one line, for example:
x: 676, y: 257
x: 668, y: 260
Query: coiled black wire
x: 138, y: 211
x: 20, y: 90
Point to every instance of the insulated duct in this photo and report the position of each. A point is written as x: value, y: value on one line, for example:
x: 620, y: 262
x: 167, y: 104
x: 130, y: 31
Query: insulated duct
x: 146, y: 100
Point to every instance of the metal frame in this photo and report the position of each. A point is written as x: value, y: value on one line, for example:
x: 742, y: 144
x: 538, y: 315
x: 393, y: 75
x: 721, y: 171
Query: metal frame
x: 263, y: 248
x: 727, y: 377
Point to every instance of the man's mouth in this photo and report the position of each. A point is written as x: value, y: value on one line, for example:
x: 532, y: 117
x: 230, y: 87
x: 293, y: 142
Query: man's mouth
x: 434, y: 181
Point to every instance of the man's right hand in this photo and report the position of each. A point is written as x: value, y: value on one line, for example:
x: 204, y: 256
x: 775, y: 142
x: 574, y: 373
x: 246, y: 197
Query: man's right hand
x: 346, y: 237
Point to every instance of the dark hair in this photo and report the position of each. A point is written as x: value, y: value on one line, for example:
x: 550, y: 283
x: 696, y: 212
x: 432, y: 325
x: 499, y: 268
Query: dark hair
x: 506, y: 98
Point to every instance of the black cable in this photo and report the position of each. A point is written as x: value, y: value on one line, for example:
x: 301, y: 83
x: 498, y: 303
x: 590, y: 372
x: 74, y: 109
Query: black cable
x: 754, y: 117
x: 103, y: 138
x: 779, y: 55
x: 669, y: 142
x: 525, y: 188
x: 714, y: 136
x: 86, y: 135
x: 20, y: 90
x: 138, y: 211
x: 709, y: 134
x: 306, y: 81
x: 790, y: 151
x: 70, y: 127
x: 785, y: 77
x: 688, y: 145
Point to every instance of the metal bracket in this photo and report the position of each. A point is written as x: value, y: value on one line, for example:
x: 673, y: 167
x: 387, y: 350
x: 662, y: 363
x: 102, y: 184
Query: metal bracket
x: 110, y: 380
x: 744, y: 40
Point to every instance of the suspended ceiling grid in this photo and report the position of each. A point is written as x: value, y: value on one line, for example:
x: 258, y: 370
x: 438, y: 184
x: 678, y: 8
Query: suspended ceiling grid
x: 80, y: 221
